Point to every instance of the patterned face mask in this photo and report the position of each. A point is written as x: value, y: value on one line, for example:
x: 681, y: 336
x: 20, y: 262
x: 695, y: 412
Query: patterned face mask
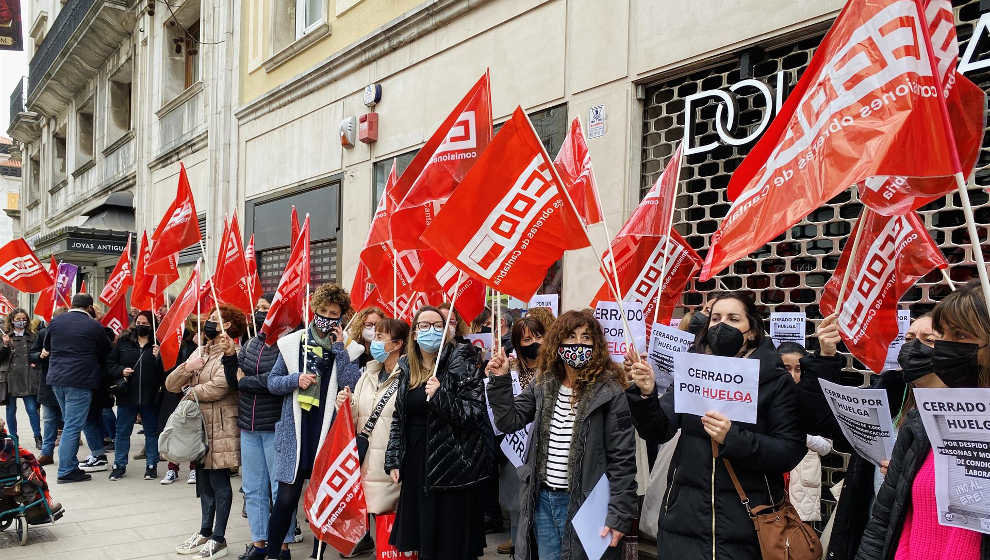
x: 575, y: 355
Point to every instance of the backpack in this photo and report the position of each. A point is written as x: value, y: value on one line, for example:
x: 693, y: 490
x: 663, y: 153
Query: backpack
x: 183, y: 440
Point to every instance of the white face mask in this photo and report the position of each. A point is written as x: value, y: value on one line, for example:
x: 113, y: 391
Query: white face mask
x: 368, y: 334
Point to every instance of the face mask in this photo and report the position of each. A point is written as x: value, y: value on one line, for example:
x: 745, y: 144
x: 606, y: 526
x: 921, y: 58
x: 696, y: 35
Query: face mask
x: 324, y: 324
x: 575, y: 355
x: 143, y: 330
x: 429, y: 340
x: 915, y: 359
x: 725, y: 340
x: 368, y: 334
x: 957, y: 364
x: 378, y: 351
x: 259, y: 318
x: 485, y: 330
x: 19, y: 324
x: 529, y: 352
x: 697, y: 322
x: 211, y: 330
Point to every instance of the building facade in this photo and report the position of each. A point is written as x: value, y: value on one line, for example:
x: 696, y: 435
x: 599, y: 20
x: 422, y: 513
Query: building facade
x: 10, y: 191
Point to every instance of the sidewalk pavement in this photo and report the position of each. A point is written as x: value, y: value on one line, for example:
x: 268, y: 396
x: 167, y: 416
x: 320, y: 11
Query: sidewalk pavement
x: 135, y: 518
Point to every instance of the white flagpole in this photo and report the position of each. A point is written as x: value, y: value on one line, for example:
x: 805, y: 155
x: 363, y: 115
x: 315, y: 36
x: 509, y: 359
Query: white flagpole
x: 850, y: 264
x: 446, y: 324
x: 199, y: 313
x: 948, y: 280
x: 666, y: 238
x: 213, y: 289
x: 395, y: 280
x: 608, y: 235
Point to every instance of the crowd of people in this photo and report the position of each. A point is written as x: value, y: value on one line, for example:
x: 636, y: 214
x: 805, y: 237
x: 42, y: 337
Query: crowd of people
x: 427, y: 405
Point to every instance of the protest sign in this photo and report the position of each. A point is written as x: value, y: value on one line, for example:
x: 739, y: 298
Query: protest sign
x: 787, y: 326
x: 515, y: 303
x: 482, y: 341
x: 514, y: 444
x: 726, y: 385
x: 589, y: 520
x: 957, y: 422
x: 665, y: 342
x: 610, y: 318
x: 903, y: 323
x: 550, y: 301
x: 864, y: 416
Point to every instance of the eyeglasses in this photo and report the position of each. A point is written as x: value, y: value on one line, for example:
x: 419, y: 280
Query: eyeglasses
x: 370, y: 325
x: 424, y: 326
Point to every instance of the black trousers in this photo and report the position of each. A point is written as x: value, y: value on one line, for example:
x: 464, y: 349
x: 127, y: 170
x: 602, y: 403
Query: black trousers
x: 286, y: 502
x: 215, y: 499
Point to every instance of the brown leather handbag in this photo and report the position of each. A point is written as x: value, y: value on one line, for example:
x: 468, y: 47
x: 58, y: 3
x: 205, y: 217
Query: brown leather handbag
x: 782, y: 534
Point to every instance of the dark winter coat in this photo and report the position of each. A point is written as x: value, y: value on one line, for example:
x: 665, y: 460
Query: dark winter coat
x: 79, y: 350
x: 257, y: 409
x: 45, y: 394
x: 760, y: 453
x: 20, y: 375
x: 883, y: 532
x: 603, y: 442
x: 461, y: 448
x: 145, y: 384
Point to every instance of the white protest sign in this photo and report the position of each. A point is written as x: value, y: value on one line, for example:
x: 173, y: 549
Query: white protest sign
x: 787, y: 326
x: 482, y: 341
x: 610, y: 318
x: 550, y: 301
x: 726, y: 385
x: 589, y: 520
x: 665, y: 342
x: 957, y: 422
x: 515, y: 303
x: 864, y: 416
x: 514, y: 444
x: 903, y: 323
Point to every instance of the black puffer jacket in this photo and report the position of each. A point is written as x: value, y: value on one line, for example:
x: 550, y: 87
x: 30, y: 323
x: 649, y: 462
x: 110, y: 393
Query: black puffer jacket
x: 461, y: 442
x: 883, y: 532
x: 145, y: 385
x: 257, y: 409
x: 760, y: 453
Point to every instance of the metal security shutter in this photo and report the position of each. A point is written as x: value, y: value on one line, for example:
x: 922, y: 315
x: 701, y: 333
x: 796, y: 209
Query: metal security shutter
x: 193, y: 252
x: 323, y: 265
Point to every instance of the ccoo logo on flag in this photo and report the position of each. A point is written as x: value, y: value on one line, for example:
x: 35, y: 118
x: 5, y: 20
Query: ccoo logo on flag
x: 336, y: 490
x: 20, y: 267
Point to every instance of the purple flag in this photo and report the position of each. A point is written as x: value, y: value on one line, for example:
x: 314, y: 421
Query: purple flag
x: 64, y: 283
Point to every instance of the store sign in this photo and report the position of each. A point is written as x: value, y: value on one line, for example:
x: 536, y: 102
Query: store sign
x: 101, y: 246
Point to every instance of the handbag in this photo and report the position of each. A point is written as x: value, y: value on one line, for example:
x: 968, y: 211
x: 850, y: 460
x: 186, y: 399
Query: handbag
x: 363, y: 441
x: 781, y: 533
x: 184, y: 438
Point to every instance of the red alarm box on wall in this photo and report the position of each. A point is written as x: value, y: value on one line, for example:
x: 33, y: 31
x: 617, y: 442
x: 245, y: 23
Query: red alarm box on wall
x: 368, y: 128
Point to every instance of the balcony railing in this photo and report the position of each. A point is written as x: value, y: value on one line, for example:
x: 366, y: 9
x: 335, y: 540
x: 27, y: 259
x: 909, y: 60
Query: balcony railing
x: 17, y: 100
x: 58, y: 36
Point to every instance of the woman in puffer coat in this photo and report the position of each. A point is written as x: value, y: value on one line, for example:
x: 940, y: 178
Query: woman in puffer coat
x: 690, y: 527
x: 204, y: 375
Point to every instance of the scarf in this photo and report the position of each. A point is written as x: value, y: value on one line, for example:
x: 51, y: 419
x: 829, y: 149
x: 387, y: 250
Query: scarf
x: 318, y: 359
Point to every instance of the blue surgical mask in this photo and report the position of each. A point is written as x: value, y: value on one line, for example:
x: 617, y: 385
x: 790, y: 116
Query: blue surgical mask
x: 429, y: 340
x: 378, y: 351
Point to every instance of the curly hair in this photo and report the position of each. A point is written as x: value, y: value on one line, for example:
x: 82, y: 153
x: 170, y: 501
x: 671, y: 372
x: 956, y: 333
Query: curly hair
x: 9, y: 322
x: 600, y: 368
x: 238, y: 324
x: 543, y: 315
x: 328, y: 293
x: 357, y: 324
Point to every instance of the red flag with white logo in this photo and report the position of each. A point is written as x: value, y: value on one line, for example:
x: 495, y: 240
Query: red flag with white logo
x: 147, y: 286
x: 286, y: 312
x: 653, y: 215
x: 169, y: 333
x: 441, y: 165
x: 178, y: 229
x: 231, y: 279
x: 378, y: 255
x: 5, y: 306
x: 120, y: 279
x: 116, y: 318
x: 365, y: 293
x: 869, y: 89
x: 334, y: 500
x: 45, y: 306
x: 573, y: 163
x: 894, y: 253
x: 510, y: 219
x: 252, y: 264
x: 20, y: 268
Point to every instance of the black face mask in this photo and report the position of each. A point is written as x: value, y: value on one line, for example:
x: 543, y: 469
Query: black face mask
x: 143, y: 330
x: 529, y: 352
x: 259, y: 318
x: 957, y: 364
x: 485, y: 330
x: 725, y: 340
x: 324, y: 324
x: 211, y: 329
x: 915, y: 359
x: 697, y: 322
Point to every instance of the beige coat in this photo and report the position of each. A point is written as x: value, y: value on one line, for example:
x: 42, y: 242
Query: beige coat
x: 805, y: 486
x: 218, y: 403
x: 380, y: 493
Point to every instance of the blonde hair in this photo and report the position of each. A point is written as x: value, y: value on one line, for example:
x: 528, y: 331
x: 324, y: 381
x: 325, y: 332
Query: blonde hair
x: 419, y: 371
x: 357, y: 324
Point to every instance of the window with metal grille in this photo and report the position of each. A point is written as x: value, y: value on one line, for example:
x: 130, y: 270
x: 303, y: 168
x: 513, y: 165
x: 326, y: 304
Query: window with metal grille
x: 193, y: 252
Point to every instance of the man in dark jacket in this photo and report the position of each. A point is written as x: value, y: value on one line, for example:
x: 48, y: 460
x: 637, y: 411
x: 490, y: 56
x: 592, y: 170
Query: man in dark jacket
x: 78, y: 350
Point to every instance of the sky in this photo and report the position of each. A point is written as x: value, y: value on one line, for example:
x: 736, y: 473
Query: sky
x: 13, y: 65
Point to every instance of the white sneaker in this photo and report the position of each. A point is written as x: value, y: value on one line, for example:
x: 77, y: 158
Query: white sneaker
x: 212, y: 549
x: 94, y: 464
x: 170, y: 477
x: 192, y: 544
x: 192, y: 478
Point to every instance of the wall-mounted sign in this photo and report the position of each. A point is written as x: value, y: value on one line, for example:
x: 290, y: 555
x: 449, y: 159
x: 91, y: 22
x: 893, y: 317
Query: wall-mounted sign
x: 597, y: 118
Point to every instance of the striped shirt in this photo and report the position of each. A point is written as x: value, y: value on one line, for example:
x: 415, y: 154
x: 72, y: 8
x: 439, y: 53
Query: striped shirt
x: 559, y: 448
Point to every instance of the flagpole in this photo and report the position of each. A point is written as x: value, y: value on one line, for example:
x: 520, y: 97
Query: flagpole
x: 948, y: 280
x: 199, y: 312
x: 213, y: 289
x: 395, y: 280
x: 446, y: 324
x: 666, y: 238
x: 974, y: 236
x: 497, y: 320
x: 849, y: 265
x: 608, y: 235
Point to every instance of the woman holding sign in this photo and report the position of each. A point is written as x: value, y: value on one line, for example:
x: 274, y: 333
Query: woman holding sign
x: 905, y: 522
x: 702, y: 516
x: 581, y: 431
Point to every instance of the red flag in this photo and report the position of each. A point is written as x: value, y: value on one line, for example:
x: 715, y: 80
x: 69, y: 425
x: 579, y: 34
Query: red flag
x: 82, y: 287
x: 20, y: 268
x: 231, y: 278
x: 510, y: 218
x: 206, y: 301
x: 334, y: 501
x: 294, y: 218
x: 365, y: 293
x: 5, y: 306
x: 378, y: 255
x: 573, y: 163
x: 893, y: 254
x: 441, y: 165
x: 178, y: 229
x: 45, y: 306
x: 116, y: 318
x: 120, y: 279
x: 286, y: 312
x: 441, y: 283
x: 169, y: 333
x: 142, y: 297
x: 252, y: 264
x: 869, y: 89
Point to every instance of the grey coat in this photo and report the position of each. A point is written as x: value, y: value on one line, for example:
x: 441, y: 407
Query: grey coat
x: 603, y: 443
x: 21, y: 377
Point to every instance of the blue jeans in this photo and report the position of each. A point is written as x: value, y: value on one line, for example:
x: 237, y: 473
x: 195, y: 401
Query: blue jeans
x: 31, y: 404
x: 258, y: 459
x: 108, y: 423
x: 52, y: 416
x: 126, y: 416
x: 550, y: 522
x: 74, y: 403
